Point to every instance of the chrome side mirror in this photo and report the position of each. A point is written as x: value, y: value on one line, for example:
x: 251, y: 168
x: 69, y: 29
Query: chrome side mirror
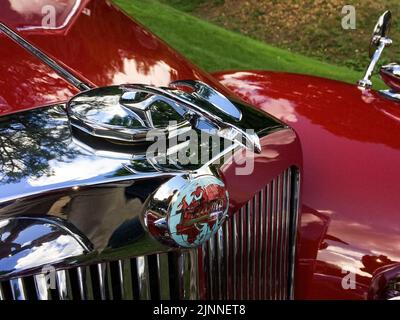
x: 379, y: 41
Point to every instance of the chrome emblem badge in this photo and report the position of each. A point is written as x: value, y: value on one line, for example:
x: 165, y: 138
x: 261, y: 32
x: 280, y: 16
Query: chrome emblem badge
x: 187, y: 213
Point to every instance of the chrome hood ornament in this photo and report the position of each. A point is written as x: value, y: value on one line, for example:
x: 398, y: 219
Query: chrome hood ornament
x: 130, y: 113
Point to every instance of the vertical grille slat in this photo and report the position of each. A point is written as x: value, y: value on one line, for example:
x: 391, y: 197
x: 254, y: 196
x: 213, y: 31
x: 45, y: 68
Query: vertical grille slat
x: 143, y: 278
x: 41, y: 286
x: 63, y: 285
x: 18, y: 289
x: 194, y: 274
x: 124, y: 268
x: 272, y: 243
x: 190, y: 274
x: 213, y: 269
x: 221, y: 265
x: 267, y: 236
x: 254, y: 255
x: 2, y: 297
x: 163, y: 276
x: 84, y: 282
x: 102, y: 280
x: 235, y: 253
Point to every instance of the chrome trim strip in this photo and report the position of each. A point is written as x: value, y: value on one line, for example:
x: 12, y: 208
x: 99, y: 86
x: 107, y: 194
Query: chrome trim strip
x: 272, y: 242
x: 255, y: 243
x: 221, y: 258
x: 143, y: 278
x: 42, y: 291
x: 43, y: 57
x: 213, y: 261
x: 124, y: 269
x: 262, y: 248
x: 101, y: 269
x: 178, y: 291
x: 185, y: 260
x: 190, y: 274
x: 205, y: 272
x: 248, y: 248
x: 63, y: 285
x: 235, y: 235
x: 194, y: 274
x: 295, y: 208
x: 279, y: 237
x: 18, y: 289
x: 163, y: 276
x: 267, y: 283
x: 109, y: 283
x: 227, y: 246
x: 285, y: 234
x: 85, y: 284
x: 242, y: 237
x: 1, y: 293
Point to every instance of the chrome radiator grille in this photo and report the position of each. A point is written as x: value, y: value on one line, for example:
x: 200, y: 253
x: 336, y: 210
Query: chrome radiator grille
x: 252, y: 256
x: 162, y: 276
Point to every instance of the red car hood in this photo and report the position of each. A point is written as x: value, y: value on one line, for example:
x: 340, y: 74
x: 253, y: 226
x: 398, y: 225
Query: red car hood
x: 93, y: 39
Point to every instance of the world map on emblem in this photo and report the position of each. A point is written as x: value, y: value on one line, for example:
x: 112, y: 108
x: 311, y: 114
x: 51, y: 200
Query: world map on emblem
x: 198, y: 211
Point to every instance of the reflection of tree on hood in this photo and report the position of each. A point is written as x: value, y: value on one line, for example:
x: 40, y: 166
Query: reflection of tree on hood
x: 28, y: 141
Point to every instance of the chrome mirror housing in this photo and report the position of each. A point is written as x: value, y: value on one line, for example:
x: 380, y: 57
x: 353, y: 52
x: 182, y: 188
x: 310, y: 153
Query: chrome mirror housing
x: 381, y: 30
x: 379, y: 41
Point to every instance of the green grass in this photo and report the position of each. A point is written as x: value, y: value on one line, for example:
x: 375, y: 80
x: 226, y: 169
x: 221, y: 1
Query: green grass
x: 214, y: 48
x: 183, y: 5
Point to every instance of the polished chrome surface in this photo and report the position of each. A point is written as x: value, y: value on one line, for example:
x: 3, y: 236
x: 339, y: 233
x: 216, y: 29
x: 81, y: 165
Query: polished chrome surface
x: 18, y: 289
x: 31, y: 243
x: 143, y: 278
x: 390, y: 74
x: 223, y: 124
x: 45, y: 58
x: 137, y: 113
x: 391, y: 94
x: 208, y: 94
x: 393, y: 69
x: 63, y: 285
x: 85, y: 284
x: 381, y: 29
x: 42, y: 290
x: 380, y: 41
x: 259, y: 262
x: 125, y: 113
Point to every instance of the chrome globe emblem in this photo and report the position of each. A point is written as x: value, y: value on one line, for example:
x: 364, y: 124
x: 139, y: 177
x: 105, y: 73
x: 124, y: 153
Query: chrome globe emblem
x: 187, y: 212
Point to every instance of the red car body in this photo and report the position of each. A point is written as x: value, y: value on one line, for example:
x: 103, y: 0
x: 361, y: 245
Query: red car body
x: 351, y: 150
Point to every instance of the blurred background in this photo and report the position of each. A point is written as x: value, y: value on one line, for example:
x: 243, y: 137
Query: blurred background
x: 286, y: 35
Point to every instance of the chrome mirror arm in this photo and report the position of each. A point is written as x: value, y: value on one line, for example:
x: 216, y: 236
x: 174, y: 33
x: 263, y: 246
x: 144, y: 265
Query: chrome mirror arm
x: 382, y: 42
